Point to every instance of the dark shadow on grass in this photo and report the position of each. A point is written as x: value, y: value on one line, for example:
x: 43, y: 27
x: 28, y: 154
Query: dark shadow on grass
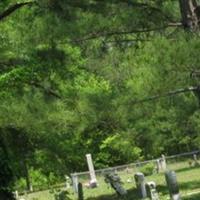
x: 186, y: 169
x: 193, y: 197
x: 190, y: 185
x: 132, y: 194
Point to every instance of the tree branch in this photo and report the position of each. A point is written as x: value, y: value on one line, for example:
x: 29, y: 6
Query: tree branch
x: 171, y: 93
x: 109, y: 34
x: 137, y: 5
x: 13, y: 8
x: 46, y: 90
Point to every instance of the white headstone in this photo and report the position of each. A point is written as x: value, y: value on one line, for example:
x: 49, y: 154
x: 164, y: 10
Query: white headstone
x: 16, y: 195
x: 158, y: 166
x: 195, y: 157
x: 163, y: 163
x: 176, y: 197
x: 67, y: 182
x: 31, y: 188
x: 93, y: 180
x: 75, y: 182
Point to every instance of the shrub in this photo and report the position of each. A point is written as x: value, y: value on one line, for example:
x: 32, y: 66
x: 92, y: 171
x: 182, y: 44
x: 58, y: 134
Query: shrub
x: 147, y: 169
x: 61, y: 195
x: 20, y: 184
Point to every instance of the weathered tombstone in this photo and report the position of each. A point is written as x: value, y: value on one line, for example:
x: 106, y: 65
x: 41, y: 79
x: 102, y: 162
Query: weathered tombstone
x: 196, y: 162
x: 16, y: 195
x: 93, y: 180
x: 31, y: 187
x: 140, y: 184
x: 75, y: 182
x: 114, y: 180
x: 80, y: 191
x: 128, y: 171
x: 67, y: 182
x: 151, y: 191
x: 163, y: 163
x: 172, y: 184
x: 158, y: 166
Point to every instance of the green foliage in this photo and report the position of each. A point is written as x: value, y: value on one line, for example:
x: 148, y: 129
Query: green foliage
x: 20, y: 184
x: 6, y: 175
x: 117, y: 147
x: 148, y: 169
x: 61, y: 195
x: 71, y: 74
x: 37, y: 178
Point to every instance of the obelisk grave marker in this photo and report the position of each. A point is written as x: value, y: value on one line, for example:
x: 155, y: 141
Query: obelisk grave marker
x: 93, y: 180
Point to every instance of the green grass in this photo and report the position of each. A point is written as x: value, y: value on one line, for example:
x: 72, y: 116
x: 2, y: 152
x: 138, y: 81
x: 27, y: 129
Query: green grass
x: 188, y: 179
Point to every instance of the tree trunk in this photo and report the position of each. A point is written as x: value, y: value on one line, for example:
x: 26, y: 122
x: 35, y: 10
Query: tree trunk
x: 190, y: 14
x: 27, y: 176
x: 6, y: 175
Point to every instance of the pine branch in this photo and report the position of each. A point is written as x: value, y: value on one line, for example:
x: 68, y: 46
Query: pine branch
x: 171, y: 93
x: 137, y: 5
x: 11, y: 9
x: 46, y: 90
x: 133, y: 31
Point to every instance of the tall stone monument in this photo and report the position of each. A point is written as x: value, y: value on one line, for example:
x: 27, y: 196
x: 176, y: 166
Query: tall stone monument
x: 93, y: 180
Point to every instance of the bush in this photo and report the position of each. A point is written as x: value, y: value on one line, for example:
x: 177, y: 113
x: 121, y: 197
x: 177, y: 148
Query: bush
x: 61, y: 195
x: 147, y: 169
x: 38, y: 179
x: 20, y: 184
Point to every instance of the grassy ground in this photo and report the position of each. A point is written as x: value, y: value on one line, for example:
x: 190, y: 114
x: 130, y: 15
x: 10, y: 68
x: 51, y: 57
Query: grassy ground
x: 188, y: 178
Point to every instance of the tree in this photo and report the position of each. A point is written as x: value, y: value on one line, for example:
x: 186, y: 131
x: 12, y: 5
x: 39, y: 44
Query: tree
x: 75, y: 75
x: 190, y: 11
x: 6, y: 172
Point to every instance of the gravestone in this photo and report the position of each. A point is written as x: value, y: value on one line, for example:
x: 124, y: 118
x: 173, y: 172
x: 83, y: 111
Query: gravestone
x: 75, y: 182
x: 170, y: 177
x: 163, y: 163
x: 16, y: 195
x: 67, y: 182
x: 140, y: 184
x: 151, y: 191
x: 93, y: 180
x: 196, y: 162
x: 30, y: 188
x: 158, y: 166
x: 114, y: 180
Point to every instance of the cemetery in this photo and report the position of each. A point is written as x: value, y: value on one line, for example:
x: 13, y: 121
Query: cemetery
x: 174, y: 178
x: 99, y: 99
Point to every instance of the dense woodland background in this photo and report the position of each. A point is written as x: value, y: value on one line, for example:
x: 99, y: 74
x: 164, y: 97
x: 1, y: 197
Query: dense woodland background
x: 77, y: 77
